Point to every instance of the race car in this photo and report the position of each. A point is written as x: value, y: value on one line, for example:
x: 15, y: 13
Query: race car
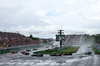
x: 22, y: 52
x: 26, y: 54
x: 55, y: 54
x: 47, y: 47
x: 68, y: 53
x: 28, y: 50
x: 37, y: 55
x: 13, y: 52
x: 88, y: 53
x: 35, y: 49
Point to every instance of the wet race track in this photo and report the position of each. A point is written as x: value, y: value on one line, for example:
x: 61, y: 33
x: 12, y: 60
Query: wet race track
x: 77, y: 59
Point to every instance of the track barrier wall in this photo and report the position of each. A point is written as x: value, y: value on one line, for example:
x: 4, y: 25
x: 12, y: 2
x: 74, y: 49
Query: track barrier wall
x: 7, y: 50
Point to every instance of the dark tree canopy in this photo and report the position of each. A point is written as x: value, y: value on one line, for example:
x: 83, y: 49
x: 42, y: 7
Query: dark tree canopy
x: 34, y: 38
x: 97, y: 38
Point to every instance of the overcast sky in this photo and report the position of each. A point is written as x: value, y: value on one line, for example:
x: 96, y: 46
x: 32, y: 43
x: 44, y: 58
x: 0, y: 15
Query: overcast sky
x: 47, y: 16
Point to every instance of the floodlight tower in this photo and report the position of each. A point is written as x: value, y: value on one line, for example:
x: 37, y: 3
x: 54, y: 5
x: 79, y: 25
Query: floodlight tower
x: 60, y: 37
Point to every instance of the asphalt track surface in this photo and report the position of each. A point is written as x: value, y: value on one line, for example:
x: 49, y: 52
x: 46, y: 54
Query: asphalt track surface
x: 77, y: 59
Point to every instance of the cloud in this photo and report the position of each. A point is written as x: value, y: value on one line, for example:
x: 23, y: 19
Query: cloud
x: 49, y: 15
x: 70, y: 2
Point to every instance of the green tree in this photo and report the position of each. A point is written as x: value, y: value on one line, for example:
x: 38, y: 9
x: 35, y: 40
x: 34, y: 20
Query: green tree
x: 34, y: 38
x: 31, y: 36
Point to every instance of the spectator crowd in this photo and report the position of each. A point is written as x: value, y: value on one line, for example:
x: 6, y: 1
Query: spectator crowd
x: 8, y: 39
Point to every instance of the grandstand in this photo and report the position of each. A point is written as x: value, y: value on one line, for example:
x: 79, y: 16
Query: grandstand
x: 8, y: 39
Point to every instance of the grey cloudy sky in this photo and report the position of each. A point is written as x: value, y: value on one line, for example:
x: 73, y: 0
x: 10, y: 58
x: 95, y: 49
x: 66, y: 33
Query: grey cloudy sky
x: 27, y: 16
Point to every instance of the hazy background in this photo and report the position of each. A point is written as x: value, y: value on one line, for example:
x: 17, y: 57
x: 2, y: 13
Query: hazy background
x: 42, y: 17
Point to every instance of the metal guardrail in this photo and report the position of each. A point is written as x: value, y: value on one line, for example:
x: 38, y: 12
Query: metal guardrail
x: 18, y: 48
x: 31, y: 45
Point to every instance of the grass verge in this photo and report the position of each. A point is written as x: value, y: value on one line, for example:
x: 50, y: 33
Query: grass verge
x: 95, y: 50
x: 72, y: 49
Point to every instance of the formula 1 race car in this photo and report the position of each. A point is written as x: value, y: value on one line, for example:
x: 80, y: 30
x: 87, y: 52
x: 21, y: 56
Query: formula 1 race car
x: 22, y: 52
x: 37, y: 55
x: 68, y: 53
x: 28, y: 50
x: 88, y: 53
x: 46, y: 47
x: 55, y: 54
x: 13, y: 52
x: 35, y: 49
x: 26, y: 54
